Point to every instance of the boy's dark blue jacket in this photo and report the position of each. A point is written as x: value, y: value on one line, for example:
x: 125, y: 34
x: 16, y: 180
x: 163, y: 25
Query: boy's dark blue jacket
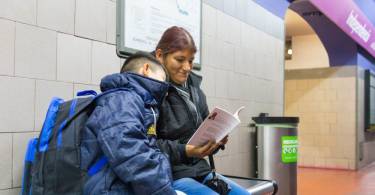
x: 121, y: 128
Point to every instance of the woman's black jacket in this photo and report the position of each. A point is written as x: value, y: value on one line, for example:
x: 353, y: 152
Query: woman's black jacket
x: 177, y: 123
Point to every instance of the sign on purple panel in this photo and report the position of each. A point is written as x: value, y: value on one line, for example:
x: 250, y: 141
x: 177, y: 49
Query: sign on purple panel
x: 347, y: 15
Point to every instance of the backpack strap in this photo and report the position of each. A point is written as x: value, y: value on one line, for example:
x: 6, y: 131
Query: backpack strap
x: 49, y: 124
x: 59, y: 131
x: 87, y: 92
x: 88, y: 103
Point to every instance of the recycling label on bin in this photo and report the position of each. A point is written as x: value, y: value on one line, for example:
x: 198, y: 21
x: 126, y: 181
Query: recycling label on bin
x: 289, y: 149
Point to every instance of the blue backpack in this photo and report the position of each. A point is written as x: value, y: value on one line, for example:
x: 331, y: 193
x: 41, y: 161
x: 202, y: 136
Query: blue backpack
x: 52, y: 162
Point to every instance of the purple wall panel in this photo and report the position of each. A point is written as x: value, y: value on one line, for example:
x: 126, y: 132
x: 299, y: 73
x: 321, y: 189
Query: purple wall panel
x: 333, y: 29
x: 347, y: 15
x: 341, y: 49
x: 278, y: 7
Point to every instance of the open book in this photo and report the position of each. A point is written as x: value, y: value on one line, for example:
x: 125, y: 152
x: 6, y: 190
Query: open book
x: 216, y: 126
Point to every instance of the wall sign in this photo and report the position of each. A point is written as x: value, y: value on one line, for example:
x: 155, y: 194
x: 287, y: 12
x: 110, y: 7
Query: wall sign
x: 347, y: 15
x: 140, y: 23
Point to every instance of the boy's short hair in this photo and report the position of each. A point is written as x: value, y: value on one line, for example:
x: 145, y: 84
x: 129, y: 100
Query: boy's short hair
x: 134, y: 62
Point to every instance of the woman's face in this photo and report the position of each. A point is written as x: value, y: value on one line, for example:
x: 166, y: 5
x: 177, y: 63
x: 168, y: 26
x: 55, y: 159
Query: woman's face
x: 179, y: 65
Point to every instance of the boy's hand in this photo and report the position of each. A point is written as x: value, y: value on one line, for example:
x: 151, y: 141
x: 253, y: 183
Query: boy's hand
x: 201, y: 151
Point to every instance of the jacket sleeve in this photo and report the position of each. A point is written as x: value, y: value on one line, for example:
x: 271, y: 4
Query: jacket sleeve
x: 175, y: 150
x: 123, y: 140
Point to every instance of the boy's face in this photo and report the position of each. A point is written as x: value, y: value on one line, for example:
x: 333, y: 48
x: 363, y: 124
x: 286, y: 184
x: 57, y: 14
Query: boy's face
x: 159, y: 74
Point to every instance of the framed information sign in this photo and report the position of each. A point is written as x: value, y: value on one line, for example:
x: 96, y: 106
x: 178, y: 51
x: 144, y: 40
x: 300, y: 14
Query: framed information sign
x: 140, y: 23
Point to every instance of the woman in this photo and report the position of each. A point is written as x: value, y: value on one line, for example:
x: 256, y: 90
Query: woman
x: 181, y: 113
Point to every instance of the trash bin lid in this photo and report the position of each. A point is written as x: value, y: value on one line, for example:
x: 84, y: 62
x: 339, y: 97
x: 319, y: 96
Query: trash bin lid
x: 275, y: 120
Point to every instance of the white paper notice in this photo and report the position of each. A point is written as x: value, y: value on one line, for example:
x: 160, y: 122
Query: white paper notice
x: 146, y: 20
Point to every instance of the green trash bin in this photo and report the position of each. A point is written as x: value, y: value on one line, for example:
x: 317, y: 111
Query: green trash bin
x: 277, y: 150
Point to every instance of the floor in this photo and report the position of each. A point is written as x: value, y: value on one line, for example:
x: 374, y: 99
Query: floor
x: 336, y: 182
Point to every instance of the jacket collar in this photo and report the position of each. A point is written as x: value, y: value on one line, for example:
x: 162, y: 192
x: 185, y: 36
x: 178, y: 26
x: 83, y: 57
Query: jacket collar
x: 194, y: 79
x: 152, y: 91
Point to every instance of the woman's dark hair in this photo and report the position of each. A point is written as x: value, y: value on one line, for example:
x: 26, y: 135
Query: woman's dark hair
x: 176, y: 39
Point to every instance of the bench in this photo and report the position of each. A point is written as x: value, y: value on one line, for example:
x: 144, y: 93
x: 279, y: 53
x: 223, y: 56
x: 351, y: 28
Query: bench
x: 256, y: 186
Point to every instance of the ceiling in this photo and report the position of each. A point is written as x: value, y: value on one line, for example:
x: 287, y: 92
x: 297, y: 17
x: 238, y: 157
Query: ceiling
x: 295, y: 25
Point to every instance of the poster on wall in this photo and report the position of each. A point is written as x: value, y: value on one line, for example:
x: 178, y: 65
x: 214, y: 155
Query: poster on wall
x: 140, y: 23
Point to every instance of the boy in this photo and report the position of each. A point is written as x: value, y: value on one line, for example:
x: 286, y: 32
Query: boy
x: 122, y: 130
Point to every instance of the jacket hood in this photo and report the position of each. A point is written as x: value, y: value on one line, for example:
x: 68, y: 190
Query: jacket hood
x: 152, y: 91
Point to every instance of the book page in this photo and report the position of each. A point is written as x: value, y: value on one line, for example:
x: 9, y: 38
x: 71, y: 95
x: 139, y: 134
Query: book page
x: 215, y: 127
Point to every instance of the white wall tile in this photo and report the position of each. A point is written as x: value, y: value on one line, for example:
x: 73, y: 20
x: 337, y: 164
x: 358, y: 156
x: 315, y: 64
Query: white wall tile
x: 245, y: 141
x: 209, y: 20
x: 234, y: 164
x: 45, y: 91
x: 226, y: 53
x: 244, y: 60
x: 90, y: 19
x: 260, y: 42
x: 104, y: 61
x: 222, y: 25
x: 241, y: 8
x: 269, y: 69
x: 209, y: 51
x: 7, y: 36
x: 14, y: 191
x: 233, y: 145
x: 250, y: 17
x: 230, y: 7
x: 5, y: 162
x: 222, y: 84
x: 235, y: 30
x: 111, y: 22
x: 247, y: 35
x: 20, y: 142
x: 73, y: 59
x: 35, y: 52
x: 225, y: 104
x: 262, y: 90
x: 235, y: 91
x: 57, y: 15
x: 246, y: 162
x: 260, y: 65
x: 208, y: 82
x: 240, y: 63
x: 218, y: 4
x: 247, y: 85
x: 228, y: 28
x: 18, y: 103
x: 19, y: 10
x: 224, y: 164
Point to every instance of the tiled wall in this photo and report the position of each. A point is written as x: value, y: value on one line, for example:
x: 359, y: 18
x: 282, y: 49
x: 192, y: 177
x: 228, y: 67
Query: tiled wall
x: 325, y: 101
x: 242, y: 65
x: 56, y: 48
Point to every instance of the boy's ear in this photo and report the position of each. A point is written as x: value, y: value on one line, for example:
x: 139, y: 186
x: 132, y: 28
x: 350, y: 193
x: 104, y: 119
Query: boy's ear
x: 145, y: 70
